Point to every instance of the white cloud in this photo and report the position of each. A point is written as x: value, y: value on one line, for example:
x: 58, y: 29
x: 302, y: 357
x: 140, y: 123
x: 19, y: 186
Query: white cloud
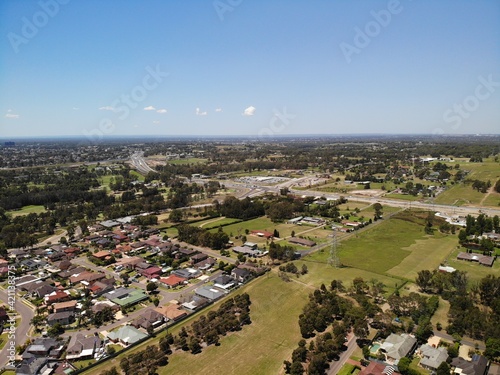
x: 250, y: 111
x: 199, y: 113
x: 156, y: 122
x: 136, y: 126
x: 150, y: 108
x: 218, y: 109
x: 11, y: 115
x: 163, y: 110
x: 107, y: 108
x: 76, y: 108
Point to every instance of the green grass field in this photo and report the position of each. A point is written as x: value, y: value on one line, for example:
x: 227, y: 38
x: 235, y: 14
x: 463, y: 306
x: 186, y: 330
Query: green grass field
x: 493, y: 200
x: 27, y: 210
x: 425, y: 254
x: 381, y: 248
x: 459, y: 195
x: 187, y: 161
x: 464, y: 194
x: 405, y: 197
x: 441, y: 314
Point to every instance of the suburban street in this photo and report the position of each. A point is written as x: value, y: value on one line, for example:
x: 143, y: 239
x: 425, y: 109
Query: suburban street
x: 351, y: 347
x: 22, y: 329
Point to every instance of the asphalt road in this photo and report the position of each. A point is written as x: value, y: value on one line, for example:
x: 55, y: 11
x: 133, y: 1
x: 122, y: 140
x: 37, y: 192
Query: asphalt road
x: 351, y: 347
x: 22, y: 329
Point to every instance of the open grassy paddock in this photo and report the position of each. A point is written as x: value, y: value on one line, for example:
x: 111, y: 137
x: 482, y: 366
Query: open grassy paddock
x: 27, y: 210
x: 425, y: 254
x: 461, y: 194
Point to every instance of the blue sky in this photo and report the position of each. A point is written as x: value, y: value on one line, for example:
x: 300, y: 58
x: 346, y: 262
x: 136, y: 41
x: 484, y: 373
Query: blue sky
x: 248, y: 67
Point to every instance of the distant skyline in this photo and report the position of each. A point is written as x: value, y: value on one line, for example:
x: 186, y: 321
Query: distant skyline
x: 94, y: 68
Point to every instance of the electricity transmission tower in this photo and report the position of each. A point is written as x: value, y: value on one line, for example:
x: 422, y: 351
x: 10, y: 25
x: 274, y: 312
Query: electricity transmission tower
x: 333, y: 259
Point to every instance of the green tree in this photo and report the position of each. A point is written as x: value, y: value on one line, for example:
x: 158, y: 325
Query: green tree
x: 151, y: 287
x: 443, y: 369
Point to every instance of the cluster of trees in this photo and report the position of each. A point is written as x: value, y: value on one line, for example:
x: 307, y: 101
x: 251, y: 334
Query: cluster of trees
x: 229, y: 317
x: 202, y: 237
x: 481, y: 224
x: 474, y: 312
x: 327, y: 308
x: 281, y: 252
x: 292, y: 268
x: 321, y: 310
x: 145, y: 220
x: 320, y: 351
x: 479, y: 185
x: 146, y: 361
x: 240, y: 209
x: 419, y: 308
x: 65, y: 187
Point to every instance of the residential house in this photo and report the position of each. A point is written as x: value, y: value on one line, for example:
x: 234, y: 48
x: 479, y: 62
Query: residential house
x: 152, y: 272
x: 148, y: 318
x: 100, y: 305
x: 187, y: 273
x: 72, y: 270
x: 32, y: 264
x: 65, y: 306
x: 241, y: 275
x: 377, y: 368
x: 210, y: 293
x: 432, y: 357
x: 57, y: 296
x: 262, y: 233
x: 102, y: 255
x: 173, y: 280
x: 63, y: 318
x: 182, y: 252
x: 87, y: 277
x: 97, y: 288
x: 302, y: 241
x: 126, y: 335
x: 198, y: 258
x: 473, y: 257
x: 224, y: 282
x: 172, y: 312
x: 245, y: 250
x: 206, y: 264
x: 126, y: 296
x: 396, y: 347
x: 84, y: 347
x: 477, y: 366
x: 3, y: 263
x: 129, y: 262
x: 44, y: 347
x: 56, y: 256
